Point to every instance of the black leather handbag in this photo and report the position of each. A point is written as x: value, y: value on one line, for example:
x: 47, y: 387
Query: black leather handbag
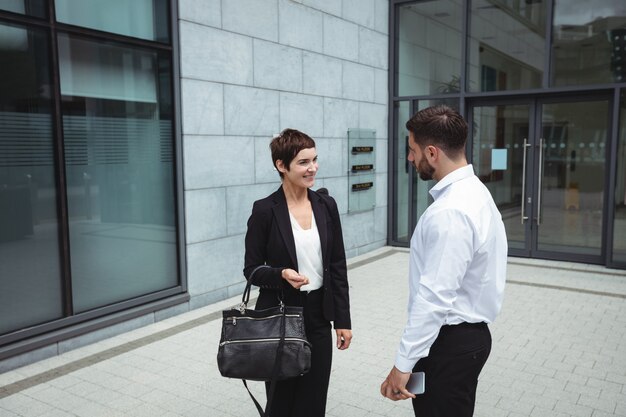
x: 263, y: 345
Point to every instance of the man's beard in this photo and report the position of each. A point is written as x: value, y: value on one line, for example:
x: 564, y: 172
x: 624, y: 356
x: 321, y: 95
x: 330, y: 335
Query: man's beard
x: 425, y: 170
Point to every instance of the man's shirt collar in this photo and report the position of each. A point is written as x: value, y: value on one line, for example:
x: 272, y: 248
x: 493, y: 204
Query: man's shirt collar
x: 454, y: 176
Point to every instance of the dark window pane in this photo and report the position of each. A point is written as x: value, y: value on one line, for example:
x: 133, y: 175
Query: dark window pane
x: 503, y: 129
x: 30, y: 281
x: 589, y: 42
x: 402, y: 227
x: 421, y: 197
x: 36, y: 8
x: 120, y: 171
x: 507, y: 45
x: 619, y: 227
x: 145, y: 19
x: 573, y: 163
x: 429, y: 47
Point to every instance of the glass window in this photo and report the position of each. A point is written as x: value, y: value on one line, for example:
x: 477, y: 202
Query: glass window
x: 30, y: 275
x: 572, y: 166
x: 408, y: 210
x: 506, y: 45
x: 450, y: 102
x: 619, y: 227
x: 421, y: 197
x: 117, y: 125
x: 429, y: 47
x: 589, y: 42
x: 37, y: 8
x: 503, y: 130
x: 401, y: 114
x: 145, y: 19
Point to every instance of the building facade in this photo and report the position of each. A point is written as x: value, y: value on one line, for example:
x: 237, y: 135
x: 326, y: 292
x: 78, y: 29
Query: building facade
x: 134, y: 139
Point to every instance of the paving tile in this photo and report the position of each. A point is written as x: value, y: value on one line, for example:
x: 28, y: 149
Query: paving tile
x: 24, y: 405
x: 542, y: 412
x: 489, y: 411
x: 147, y: 410
x: 604, y: 385
x: 204, y: 411
x: 574, y: 410
x: 602, y: 404
x: 598, y: 413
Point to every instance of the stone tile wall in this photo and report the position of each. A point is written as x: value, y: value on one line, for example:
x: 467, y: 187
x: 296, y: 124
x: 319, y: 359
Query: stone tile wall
x: 251, y: 68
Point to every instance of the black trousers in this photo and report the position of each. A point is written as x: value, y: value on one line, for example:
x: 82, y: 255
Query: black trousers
x: 305, y: 396
x: 451, y: 369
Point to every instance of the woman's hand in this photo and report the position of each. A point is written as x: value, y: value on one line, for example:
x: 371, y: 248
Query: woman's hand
x: 344, y: 337
x: 293, y: 278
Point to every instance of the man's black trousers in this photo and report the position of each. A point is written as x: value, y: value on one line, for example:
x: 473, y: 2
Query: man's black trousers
x: 452, y: 368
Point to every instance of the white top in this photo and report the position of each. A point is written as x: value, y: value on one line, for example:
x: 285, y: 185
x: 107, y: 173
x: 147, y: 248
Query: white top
x: 457, y: 264
x: 309, y: 253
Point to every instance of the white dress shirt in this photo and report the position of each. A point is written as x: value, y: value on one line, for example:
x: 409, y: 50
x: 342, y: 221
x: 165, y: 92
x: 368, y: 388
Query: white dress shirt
x: 308, y: 253
x: 457, y: 264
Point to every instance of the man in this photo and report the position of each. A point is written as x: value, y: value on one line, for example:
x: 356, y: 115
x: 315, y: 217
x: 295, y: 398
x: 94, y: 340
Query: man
x: 457, y: 273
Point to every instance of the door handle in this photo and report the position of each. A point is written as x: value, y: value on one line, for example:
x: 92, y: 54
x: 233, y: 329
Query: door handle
x: 526, y: 146
x: 539, y: 191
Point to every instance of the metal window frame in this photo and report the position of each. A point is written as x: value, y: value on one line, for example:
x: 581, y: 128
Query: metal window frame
x: 613, y: 150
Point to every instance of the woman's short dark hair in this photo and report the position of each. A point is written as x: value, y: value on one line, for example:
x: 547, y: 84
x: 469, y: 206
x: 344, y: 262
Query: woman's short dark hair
x: 441, y: 126
x: 287, y: 145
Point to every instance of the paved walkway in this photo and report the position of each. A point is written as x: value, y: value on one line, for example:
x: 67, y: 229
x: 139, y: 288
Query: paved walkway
x: 559, y: 350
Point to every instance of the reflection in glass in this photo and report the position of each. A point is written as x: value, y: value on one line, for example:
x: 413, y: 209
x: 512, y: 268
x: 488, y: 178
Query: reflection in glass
x: 429, y: 47
x: 36, y: 8
x: 588, y: 42
x: 619, y: 227
x: 401, y: 114
x: 450, y: 102
x: 497, y: 130
x: 572, y: 184
x: 145, y: 19
x: 30, y: 275
x: 421, y: 197
x: 506, y: 45
x: 120, y: 174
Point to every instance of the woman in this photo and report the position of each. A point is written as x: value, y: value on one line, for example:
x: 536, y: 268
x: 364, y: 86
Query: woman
x: 296, y: 232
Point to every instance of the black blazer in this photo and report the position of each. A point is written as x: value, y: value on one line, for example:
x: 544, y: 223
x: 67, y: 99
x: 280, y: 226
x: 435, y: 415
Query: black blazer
x: 269, y: 241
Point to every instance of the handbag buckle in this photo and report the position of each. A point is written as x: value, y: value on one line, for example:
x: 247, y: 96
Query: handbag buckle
x: 282, y: 306
x: 241, y: 307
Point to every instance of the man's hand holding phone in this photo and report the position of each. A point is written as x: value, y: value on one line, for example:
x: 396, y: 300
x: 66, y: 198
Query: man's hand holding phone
x: 394, y: 386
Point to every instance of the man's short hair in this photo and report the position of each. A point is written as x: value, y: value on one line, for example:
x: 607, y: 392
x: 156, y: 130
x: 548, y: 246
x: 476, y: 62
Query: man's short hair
x: 287, y: 145
x: 441, y: 126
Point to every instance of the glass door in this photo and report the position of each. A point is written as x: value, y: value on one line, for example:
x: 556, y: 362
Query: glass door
x: 570, y: 178
x: 544, y: 163
x: 501, y: 138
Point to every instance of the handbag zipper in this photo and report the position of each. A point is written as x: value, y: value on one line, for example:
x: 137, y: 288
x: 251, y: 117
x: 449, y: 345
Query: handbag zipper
x: 287, y: 339
x: 262, y: 318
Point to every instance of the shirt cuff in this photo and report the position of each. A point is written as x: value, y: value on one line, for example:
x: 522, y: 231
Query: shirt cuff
x: 404, y: 365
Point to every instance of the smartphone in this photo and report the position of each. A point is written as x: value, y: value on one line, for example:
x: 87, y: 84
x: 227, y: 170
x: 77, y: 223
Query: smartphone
x: 417, y: 383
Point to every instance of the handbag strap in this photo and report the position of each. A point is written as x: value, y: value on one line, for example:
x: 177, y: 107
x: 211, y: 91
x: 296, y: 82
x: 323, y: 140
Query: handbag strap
x: 270, y: 397
x: 256, y: 403
x: 246, y: 293
x: 275, y: 370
